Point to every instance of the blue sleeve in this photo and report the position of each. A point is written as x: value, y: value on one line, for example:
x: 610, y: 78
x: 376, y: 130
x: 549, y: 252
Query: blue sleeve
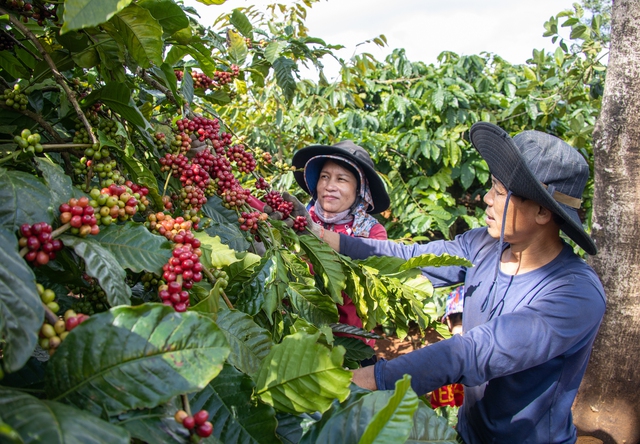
x: 562, y: 322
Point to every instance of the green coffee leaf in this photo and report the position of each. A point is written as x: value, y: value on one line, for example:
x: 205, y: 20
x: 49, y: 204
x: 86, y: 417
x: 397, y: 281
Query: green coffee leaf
x: 135, y: 357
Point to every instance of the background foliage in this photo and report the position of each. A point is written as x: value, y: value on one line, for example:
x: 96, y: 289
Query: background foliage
x: 105, y: 86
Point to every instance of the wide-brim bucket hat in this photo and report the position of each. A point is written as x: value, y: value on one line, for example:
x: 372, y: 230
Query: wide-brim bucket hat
x: 352, y: 152
x: 540, y: 167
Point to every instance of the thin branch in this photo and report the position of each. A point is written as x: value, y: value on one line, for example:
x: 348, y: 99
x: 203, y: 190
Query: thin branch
x: 51, y: 317
x: 226, y: 299
x: 185, y: 404
x: 19, y: 43
x: 54, y: 146
x: 56, y: 74
x: 155, y: 84
x: 213, y: 280
x: 13, y: 156
x: 37, y: 118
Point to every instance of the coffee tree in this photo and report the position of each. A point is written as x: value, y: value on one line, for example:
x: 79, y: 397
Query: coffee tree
x: 414, y: 118
x: 133, y: 305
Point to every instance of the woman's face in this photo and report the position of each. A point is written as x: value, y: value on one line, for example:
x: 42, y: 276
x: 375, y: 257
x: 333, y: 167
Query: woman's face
x: 336, y: 188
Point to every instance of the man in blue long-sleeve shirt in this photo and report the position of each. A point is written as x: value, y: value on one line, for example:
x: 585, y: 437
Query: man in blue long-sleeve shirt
x: 532, y: 307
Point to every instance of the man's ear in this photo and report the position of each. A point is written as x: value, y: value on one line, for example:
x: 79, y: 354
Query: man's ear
x: 544, y: 215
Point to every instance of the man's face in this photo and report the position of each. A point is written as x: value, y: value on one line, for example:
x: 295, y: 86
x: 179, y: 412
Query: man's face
x: 521, y: 213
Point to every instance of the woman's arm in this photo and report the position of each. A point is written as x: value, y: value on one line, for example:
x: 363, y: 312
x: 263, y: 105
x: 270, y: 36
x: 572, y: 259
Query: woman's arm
x: 378, y: 232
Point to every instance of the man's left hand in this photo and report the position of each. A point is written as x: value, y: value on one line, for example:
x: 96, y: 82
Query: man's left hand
x: 364, y: 377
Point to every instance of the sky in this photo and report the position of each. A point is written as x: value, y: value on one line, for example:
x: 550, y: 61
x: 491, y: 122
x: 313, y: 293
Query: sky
x: 424, y: 28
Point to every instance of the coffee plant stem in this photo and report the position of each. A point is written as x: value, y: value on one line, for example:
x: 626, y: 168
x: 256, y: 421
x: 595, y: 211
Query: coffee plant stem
x: 52, y: 146
x: 19, y: 43
x: 212, y: 279
x: 226, y: 299
x: 54, y: 70
x: 13, y: 156
x: 185, y: 404
x: 50, y: 316
x: 166, y: 184
x: 61, y: 229
x: 155, y: 84
x: 37, y: 118
x: 87, y: 182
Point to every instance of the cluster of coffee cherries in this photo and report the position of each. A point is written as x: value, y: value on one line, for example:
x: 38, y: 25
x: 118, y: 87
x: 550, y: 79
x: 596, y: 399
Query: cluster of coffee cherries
x: 275, y: 200
x: 36, y: 11
x: 194, y: 179
x: 118, y: 202
x: 173, y: 294
x: 192, y: 198
x: 81, y: 135
x: 243, y: 159
x: 90, y: 298
x: 220, y: 171
x: 48, y: 298
x: 204, y: 128
x: 167, y: 203
x: 14, y: 98
x: 95, y: 153
x: 220, y: 276
x: 176, y: 163
x: 181, y: 271
x: 29, y: 142
x: 235, y: 197
x: 41, y: 247
x: 200, y: 79
x: 151, y: 280
x: 249, y: 221
x: 224, y: 77
x: 166, y: 225
x: 99, y: 159
x: 300, y: 223
x: 106, y: 169
x: 110, y: 129
x: 199, y: 422
x: 182, y: 142
x: 6, y: 41
x: 261, y: 183
x: 51, y: 336
x: 160, y: 139
x: 140, y: 193
x: 80, y: 215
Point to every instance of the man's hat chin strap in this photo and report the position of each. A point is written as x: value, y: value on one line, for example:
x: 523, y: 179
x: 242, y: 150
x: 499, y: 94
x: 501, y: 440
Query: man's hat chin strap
x: 494, y: 286
x: 569, y: 201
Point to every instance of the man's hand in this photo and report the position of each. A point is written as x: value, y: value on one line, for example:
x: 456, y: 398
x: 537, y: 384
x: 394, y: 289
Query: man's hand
x: 365, y: 378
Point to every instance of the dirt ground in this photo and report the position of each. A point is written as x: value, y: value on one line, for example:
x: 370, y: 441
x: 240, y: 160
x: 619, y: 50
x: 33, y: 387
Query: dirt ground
x: 390, y: 346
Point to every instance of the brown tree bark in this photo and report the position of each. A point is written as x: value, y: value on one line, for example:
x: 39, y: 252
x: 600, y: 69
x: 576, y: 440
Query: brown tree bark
x: 608, y: 402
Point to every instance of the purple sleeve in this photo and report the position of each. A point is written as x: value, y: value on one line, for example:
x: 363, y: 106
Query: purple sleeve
x: 361, y: 248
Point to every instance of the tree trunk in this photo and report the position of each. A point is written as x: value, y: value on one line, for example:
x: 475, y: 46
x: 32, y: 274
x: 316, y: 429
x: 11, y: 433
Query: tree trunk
x: 608, y: 402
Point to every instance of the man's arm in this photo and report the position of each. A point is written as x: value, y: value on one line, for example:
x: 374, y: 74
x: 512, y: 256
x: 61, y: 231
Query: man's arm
x: 565, y: 319
x: 365, y: 378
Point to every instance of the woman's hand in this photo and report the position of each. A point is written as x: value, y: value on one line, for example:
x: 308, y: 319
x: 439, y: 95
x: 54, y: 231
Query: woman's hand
x: 300, y: 210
